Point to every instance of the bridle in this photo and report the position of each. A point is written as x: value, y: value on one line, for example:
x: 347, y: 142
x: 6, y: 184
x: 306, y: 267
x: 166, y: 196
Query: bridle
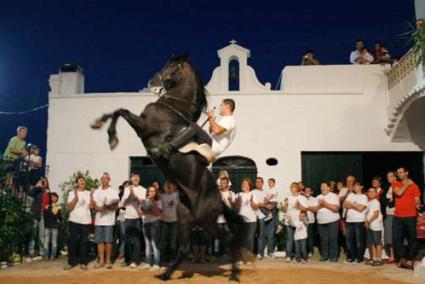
x: 165, y: 96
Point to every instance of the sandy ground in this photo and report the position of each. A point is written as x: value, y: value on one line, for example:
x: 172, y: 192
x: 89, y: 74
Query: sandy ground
x: 265, y: 271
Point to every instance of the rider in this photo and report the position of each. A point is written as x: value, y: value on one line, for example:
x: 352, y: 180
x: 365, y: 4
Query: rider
x: 221, y: 132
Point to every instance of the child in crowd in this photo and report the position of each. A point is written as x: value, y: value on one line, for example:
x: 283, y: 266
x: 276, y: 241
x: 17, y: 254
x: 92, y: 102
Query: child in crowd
x: 269, y: 200
x: 151, y: 215
x: 374, y: 227
x: 35, y: 163
x: 300, y: 237
x: 52, y: 219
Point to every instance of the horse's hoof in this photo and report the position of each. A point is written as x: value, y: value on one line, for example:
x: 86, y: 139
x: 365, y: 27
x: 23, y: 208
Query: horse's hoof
x: 234, y: 277
x: 97, y: 125
x: 113, y: 142
x: 164, y: 276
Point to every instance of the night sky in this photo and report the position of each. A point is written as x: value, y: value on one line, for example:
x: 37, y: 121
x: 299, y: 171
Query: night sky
x: 120, y: 44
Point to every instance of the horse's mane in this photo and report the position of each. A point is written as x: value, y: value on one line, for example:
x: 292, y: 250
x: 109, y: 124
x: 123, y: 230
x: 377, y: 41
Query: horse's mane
x: 201, y: 93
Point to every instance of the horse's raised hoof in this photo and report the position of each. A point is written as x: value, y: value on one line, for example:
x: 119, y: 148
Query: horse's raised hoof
x: 113, y: 142
x: 234, y: 277
x: 163, y: 276
x: 97, y: 124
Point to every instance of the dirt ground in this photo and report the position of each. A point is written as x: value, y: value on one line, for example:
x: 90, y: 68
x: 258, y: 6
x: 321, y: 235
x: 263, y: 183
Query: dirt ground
x: 265, y: 271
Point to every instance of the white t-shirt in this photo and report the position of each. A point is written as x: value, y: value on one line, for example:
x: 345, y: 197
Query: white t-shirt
x: 258, y: 197
x: 103, y: 197
x: 131, y: 211
x: 354, y: 216
x: 149, y: 218
x: 293, y: 213
x: 300, y: 230
x: 372, y: 206
x: 224, y: 196
x: 273, y: 192
x: 324, y: 215
x: 169, y: 203
x: 354, y: 55
x: 311, y: 201
x: 222, y: 141
x: 246, y: 211
x: 34, y: 159
x: 81, y: 213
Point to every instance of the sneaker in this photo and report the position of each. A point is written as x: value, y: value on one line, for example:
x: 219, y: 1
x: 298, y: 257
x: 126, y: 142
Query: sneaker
x: 36, y: 258
x: 133, y: 265
x: 303, y: 261
x: 154, y: 268
x: 146, y: 266
x: 271, y: 256
x: 124, y: 264
x: 349, y: 261
x: 259, y: 257
x: 83, y: 267
x: 109, y: 266
x: 288, y: 259
x: 295, y: 260
x: 310, y: 255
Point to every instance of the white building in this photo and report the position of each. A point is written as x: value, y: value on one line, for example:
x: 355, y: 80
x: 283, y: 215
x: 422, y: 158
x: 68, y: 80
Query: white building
x: 324, y: 122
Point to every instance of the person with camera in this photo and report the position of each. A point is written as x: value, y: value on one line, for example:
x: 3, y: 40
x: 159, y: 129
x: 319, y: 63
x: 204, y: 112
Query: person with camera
x: 41, y: 198
x: 309, y: 58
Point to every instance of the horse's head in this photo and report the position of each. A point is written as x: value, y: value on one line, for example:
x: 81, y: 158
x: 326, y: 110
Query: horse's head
x: 170, y: 76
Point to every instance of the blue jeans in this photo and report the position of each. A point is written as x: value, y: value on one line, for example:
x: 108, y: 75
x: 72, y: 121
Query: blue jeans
x: 290, y: 241
x: 38, y: 236
x: 248, y: 230
x: 121, y: 232
x: 355, y: 238
x: 260, y: 236
x: 269, y: 228
x: 169, y: 233
x: 132, y: 240
x: 51, y: 237
x: 301, y: 249
x: 151, y: 233
x: 329, y: 240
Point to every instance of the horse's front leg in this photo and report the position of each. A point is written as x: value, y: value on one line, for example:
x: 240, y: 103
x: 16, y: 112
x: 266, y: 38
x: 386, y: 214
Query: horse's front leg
x: 135, y: 121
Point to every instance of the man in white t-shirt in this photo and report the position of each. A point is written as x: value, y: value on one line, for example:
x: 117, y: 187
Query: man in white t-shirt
x: 356, y: 55
x: 104, y: 201
x: 223, y: 129
x: 132, y: 197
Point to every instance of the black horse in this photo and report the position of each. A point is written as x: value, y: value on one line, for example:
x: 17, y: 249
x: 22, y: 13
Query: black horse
x: 182, y: 100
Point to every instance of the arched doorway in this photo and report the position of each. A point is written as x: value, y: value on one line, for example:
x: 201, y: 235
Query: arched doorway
x: 238, y: 167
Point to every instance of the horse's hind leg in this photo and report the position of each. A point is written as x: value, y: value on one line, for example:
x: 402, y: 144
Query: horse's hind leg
x: 185, y: 220
x: 229, y: 240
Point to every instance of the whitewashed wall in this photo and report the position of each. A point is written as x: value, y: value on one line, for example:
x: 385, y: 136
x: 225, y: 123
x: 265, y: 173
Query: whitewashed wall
x: 321, y: 108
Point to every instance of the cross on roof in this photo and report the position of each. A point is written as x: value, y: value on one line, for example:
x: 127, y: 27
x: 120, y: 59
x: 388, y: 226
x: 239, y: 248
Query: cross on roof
x: 233, y: 41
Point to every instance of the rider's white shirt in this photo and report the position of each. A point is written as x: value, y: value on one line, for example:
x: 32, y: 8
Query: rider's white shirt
x: 221, y: 141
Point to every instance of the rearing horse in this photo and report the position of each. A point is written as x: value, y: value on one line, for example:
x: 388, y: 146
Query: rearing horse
x: 181, y: 101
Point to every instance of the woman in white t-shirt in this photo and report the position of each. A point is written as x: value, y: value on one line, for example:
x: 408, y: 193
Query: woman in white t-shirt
x: 79, y: 223
x: 151, y: 215
x: 327, y: 216
x: 355, y: 232
x: 374, y: 227
x: 292, y: 207
x: 245, y: 204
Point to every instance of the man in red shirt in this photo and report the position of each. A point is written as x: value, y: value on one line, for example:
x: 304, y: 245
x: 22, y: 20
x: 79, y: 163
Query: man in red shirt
x: 407, y: 202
